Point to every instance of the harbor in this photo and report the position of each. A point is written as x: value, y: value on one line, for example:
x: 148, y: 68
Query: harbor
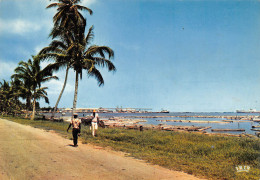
x: 226, y: 123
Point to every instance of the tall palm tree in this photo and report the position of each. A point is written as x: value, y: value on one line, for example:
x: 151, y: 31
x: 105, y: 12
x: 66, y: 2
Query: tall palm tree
x: 33, y: 76
x: 68, y: 13
x: 76, y: 52
x: 89, y: 57
x: 66, y: 20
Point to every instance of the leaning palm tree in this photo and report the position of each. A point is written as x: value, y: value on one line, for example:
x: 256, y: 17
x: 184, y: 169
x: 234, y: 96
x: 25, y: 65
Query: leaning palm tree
x: 33, y: 76
x: 57, y: 51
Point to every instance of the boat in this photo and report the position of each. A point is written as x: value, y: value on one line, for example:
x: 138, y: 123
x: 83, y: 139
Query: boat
x: 244, y: 111
x: 255, y: 119
x: 240, y: 111
x: 165, y: 111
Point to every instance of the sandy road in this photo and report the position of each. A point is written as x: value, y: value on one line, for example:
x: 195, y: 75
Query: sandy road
x: 30, y: 153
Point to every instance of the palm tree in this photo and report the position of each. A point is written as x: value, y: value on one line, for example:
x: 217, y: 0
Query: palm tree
x: 33, y: 76
x: 66, y: 20
x: 57, y: 50
x: 5, y: 97
x: 23, y: 73
x: 68, y: 13
x: 9, y: 97
x: 75, y: 52
x: 17, y: 86
x: 87, y: 57
x: 74, y: 48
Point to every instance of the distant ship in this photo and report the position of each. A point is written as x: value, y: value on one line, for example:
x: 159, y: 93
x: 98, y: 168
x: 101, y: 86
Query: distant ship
x: 244, y: 111
x: 165, y: 111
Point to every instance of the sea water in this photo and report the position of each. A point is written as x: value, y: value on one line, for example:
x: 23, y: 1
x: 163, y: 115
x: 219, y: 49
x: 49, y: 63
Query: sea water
x: 167, y: 116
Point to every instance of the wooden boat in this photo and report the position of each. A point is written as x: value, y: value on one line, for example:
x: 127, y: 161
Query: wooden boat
x: 227, y: 129
x: 255, y: 126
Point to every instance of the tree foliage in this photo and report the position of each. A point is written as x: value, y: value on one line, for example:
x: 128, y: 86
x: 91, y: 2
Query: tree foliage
x: 72, y: 49
x: 32, y: 76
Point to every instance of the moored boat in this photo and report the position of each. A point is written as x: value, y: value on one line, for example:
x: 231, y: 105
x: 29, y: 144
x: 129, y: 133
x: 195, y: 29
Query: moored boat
x: 249, y: 111
x: 165, y: 111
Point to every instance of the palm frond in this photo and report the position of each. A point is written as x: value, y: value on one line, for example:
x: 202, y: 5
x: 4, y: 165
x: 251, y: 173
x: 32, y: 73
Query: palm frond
x: 41, y: 93
x: 90, y: 35
x: 49, y: 78
x: 53, y: 5
x: 100, y: 51
x: 105, y: 63
x: 58, y: 43
x: 57, y: 17
x: 85, y: 8
x: 97, y: 75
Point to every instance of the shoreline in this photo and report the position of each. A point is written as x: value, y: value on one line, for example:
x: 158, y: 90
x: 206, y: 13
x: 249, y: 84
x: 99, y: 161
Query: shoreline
x: 131, y: 122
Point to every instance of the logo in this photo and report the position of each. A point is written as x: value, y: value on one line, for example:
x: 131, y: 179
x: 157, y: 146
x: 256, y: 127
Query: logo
x: 243, y: 168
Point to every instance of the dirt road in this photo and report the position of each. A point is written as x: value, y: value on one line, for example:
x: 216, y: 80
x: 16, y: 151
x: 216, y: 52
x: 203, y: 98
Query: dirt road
x: 30, y: 153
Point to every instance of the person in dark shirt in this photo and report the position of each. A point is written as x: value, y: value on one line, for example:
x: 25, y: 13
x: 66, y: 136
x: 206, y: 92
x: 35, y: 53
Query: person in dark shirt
x: 76, y: 127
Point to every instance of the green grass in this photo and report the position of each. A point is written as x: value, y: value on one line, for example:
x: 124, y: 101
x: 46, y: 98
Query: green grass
x: 213, y: 157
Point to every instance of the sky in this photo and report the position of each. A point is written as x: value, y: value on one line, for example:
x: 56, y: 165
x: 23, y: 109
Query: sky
x: 179, y: 55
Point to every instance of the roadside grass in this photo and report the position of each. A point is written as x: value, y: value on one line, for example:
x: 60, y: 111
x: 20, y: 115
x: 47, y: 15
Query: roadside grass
x: 39, y: 123
x: 205, y: 156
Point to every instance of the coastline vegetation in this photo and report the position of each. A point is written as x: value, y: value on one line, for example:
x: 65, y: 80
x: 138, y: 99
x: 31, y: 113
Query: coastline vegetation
x: 212, y: 157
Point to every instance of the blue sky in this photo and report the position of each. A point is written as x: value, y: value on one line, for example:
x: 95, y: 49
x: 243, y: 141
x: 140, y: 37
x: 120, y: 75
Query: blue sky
x: 194, y: 55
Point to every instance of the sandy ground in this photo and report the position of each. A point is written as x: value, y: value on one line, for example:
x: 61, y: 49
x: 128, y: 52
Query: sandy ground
x: 31, y: 153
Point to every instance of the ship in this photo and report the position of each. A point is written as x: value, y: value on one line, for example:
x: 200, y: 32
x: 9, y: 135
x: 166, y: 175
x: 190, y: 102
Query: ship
x: 165, y: 111
x: 244, y: 111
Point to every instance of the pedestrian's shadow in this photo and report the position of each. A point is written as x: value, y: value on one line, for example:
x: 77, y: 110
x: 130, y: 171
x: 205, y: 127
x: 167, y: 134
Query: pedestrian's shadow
x: 70, y: 145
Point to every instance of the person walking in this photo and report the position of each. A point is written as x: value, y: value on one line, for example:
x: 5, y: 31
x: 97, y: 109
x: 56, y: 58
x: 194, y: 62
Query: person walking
x: 94, y: 123
x: 76, y: 127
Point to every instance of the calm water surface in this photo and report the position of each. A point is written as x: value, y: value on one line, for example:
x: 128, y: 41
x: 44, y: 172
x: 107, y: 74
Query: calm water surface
x: 166, y: 116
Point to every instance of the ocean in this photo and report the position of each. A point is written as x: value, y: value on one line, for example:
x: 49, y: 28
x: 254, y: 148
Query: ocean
x: 149, y: 117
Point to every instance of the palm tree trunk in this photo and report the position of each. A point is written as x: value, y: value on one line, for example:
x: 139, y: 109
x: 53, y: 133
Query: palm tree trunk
x: 34, y: 102
x: 64, y: 85
x: 75, y: 93
x: 28, y: 105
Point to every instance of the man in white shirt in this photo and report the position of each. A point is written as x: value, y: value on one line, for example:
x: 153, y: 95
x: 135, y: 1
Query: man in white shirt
x: 94, y: 123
